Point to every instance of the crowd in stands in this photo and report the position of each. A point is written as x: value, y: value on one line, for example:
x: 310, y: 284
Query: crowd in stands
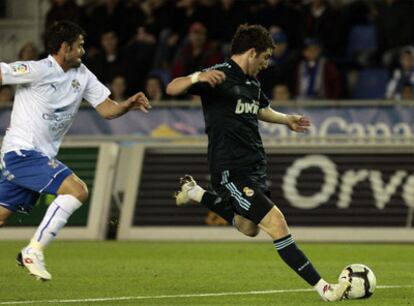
x: 338, y: 49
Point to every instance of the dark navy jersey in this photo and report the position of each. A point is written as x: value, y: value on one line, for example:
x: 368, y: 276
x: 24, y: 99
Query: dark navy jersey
x: 230, y: 113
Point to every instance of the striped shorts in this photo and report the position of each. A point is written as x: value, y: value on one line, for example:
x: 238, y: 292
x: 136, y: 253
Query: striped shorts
x: 245, y: 190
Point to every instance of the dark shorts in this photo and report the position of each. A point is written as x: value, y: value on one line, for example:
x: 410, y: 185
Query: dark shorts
x: 245, y: 191
x: 25, y: 175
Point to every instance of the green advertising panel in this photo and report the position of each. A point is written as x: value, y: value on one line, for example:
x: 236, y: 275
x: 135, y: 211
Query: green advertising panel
x: 83, y: 162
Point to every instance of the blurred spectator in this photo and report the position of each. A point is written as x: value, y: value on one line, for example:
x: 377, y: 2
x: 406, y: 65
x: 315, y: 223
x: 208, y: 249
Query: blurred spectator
x: 6, y: 93
x: 158, y: 14
x: 139, y: 57
x: 316, y: 76
x: 108, y: 62
x: 326, y: 24
x: 28, y: 52
x: 181, y: 16
x: 154, y: 88
x: 403, y: 76
x: 186, y: 13
x: 407, y: 92
x: 282, y: 14
x: 281, y: 64
x: 280, y: 92
x: 114, y: 14
x: 225, y: 19
x: 118, y: 88
x: 196, y: 53
x: 395, y: 26
x: 63, y: 10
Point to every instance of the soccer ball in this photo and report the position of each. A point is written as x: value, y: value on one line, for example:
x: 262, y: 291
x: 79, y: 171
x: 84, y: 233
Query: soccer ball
x: 362, y: 279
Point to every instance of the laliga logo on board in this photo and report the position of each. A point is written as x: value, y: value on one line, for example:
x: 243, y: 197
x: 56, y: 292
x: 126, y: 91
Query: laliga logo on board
x: 382, y: 191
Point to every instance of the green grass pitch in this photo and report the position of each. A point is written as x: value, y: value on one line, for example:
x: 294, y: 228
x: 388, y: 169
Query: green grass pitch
x: 196, y: 273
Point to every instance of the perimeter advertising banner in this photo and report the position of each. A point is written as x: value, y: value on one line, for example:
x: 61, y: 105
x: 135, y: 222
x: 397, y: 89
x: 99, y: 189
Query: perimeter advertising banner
x: 351, y: 121
x: 343, y: 188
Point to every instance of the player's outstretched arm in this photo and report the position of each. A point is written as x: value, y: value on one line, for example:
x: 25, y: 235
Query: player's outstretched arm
x: 180, y: 85
x: 296, y: 123
x: 110, y: 109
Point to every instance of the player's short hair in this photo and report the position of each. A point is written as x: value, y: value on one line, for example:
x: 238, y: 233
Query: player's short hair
x: 251, y: 36
x: 62, y: 31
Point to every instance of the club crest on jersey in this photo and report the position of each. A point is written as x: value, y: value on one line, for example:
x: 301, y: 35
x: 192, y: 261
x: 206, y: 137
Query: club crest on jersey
x: 247, y: 107
x: 248, y: 192
x: 20, y: 68
x: 76, y: 85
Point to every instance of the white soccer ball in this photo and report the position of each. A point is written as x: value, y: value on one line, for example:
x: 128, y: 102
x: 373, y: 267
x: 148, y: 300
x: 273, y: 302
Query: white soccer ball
x: 362, y: 279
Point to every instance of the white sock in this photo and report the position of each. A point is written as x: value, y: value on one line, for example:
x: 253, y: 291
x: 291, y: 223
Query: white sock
x: 320, y: 286
x: 55, y: 218
x: 196, y: 193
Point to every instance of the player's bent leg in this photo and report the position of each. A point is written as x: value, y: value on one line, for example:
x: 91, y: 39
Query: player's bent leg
x: 75, y: 187
x: 274, y: 224
x: 70, y: 194
x: 246, y: 226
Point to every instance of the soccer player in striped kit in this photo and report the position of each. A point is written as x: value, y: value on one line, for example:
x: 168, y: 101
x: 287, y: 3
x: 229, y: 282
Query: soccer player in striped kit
x: 233, y: 102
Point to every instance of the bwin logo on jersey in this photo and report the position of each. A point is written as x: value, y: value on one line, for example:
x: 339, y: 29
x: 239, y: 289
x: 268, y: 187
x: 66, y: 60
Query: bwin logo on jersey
x: 245, y: 107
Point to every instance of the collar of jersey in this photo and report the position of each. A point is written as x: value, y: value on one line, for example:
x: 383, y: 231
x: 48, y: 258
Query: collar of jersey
x: 55, y: 63
x: 237, y: 69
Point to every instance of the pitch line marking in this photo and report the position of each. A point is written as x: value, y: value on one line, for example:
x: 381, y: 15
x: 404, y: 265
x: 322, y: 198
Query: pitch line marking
x: 153, y: 297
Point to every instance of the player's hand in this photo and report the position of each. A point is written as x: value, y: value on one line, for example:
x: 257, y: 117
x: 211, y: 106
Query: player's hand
x: 213, y: 77
x: 298, y: 123
x: 139, y: 101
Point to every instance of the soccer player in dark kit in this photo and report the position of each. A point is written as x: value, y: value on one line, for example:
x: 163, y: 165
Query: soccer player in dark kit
x: 233, y: 102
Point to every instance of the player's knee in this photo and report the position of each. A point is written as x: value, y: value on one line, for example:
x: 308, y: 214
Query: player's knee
x: 251, y: 232
x: 274, y: 223
x: 246, y: 227
x: 2, y: 223
x: 81, y: 193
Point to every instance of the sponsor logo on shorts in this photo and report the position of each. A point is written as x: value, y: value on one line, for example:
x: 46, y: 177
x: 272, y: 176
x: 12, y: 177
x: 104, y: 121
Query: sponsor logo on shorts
x: 248, y: 192
x: 53, y: 163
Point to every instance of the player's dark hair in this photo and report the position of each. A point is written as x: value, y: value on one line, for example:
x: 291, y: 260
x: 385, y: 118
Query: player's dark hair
x: 60, y: 32
x: 251, y: 36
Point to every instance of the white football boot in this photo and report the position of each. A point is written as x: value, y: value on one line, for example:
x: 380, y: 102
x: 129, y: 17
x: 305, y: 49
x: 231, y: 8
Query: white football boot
x: 181, y: 197
x: 336, y: 292
x: 34, y: 261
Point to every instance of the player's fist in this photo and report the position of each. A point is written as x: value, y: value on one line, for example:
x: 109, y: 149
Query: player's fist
x: 213, y: 77
x: 140, y: 101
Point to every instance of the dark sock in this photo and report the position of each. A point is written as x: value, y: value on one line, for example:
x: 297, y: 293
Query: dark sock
x: 295, y: 259
x: 214, y: 203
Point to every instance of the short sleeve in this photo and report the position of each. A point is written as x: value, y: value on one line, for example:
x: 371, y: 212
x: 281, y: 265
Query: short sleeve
x: 20, y: 72
x: 264, y: 100
x: 95, y: 92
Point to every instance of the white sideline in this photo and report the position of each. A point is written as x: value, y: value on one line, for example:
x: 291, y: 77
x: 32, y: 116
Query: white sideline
x: 123, y: 298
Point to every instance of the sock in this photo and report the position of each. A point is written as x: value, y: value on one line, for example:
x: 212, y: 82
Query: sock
x: 196, y: 193
x: 55, y: 218
x: 295, y: 259
x: 214, y: 203
x: 320, y: 286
